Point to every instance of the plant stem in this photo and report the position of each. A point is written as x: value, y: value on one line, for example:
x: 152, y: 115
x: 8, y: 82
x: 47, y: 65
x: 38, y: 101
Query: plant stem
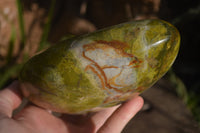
x: 47, y: 26
x: 21, y: 23
x: 8, y: 73
x: 11, y: 46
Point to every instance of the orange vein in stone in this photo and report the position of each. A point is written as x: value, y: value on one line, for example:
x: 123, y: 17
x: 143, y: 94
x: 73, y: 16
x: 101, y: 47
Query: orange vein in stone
x: 105, y: 67
x: 102, y: 72
x: 99, y: 68
x: 102, y: 81
x: 112, y: 80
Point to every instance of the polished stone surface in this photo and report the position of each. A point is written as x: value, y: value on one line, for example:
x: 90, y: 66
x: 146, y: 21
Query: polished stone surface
x: 101, y: 69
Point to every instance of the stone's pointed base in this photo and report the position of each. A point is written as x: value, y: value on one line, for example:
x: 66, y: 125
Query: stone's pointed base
x: 103, y: 68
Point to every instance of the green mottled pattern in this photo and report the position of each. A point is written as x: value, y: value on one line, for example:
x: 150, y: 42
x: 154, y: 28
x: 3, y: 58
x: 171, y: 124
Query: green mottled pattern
x: 63, y: 84
x: 61, y: 80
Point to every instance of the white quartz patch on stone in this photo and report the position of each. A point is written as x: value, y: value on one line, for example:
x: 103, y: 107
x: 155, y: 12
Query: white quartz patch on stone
x: 112, y: 66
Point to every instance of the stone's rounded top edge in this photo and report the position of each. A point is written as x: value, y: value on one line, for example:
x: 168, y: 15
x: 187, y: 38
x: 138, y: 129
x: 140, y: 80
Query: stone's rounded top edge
x: 170, y: 25
x: 172, y: 28
x: 136, y: 22
x: 174, y: 31
x: 148, y: 21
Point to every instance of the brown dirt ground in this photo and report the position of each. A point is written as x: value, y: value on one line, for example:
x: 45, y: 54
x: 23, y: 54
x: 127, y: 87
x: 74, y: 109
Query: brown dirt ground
x: 163, y: 112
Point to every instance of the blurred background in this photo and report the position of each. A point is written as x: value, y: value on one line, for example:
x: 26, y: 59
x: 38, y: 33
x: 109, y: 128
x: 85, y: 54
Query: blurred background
x: 171, y: 105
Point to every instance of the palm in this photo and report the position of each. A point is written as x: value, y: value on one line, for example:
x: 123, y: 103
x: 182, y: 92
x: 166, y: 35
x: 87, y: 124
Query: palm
x: 42, y: 121
x: 34, y: 119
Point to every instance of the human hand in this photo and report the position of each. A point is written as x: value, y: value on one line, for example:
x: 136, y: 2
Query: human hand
x: 33, y: 119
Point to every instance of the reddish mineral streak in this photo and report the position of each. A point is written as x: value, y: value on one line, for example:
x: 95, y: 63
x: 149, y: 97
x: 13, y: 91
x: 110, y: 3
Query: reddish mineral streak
x: 140, y: 89
x: 106, y: 67
x: 119, y: 48
x: 113, y: 98
x: 101, y: 71
x: 99, y: 68
x: 110, y: 99
x: 102, y: 81
x: 112, y: 80
x: 114, y: 43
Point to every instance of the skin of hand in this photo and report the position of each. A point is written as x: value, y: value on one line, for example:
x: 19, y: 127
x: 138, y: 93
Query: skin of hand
x: 33, y: 119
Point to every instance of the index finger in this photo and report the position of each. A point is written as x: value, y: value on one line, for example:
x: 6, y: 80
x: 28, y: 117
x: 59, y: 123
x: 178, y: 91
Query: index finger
x: 10, y: 99
x: 122, y: 115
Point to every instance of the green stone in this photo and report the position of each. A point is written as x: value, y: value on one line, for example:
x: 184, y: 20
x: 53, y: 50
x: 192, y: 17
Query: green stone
x: 100, y: 69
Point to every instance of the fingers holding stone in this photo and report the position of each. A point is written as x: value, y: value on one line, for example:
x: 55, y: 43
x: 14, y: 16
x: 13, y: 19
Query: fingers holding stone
x: 117, y: 121
x: 10, y: 99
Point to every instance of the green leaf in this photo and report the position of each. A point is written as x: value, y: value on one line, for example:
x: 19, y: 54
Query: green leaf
x: 43, y: 42
x: 11, y: 45
x: 8, y: 73
x: 21, y: 23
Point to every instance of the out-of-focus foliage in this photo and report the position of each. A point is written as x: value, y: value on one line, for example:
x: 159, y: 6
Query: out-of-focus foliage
x: 186, y: 75
x: 11, y: 68
x: 189, y: 97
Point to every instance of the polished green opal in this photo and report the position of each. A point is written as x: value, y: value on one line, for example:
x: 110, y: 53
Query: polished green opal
x: 100, y: 69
